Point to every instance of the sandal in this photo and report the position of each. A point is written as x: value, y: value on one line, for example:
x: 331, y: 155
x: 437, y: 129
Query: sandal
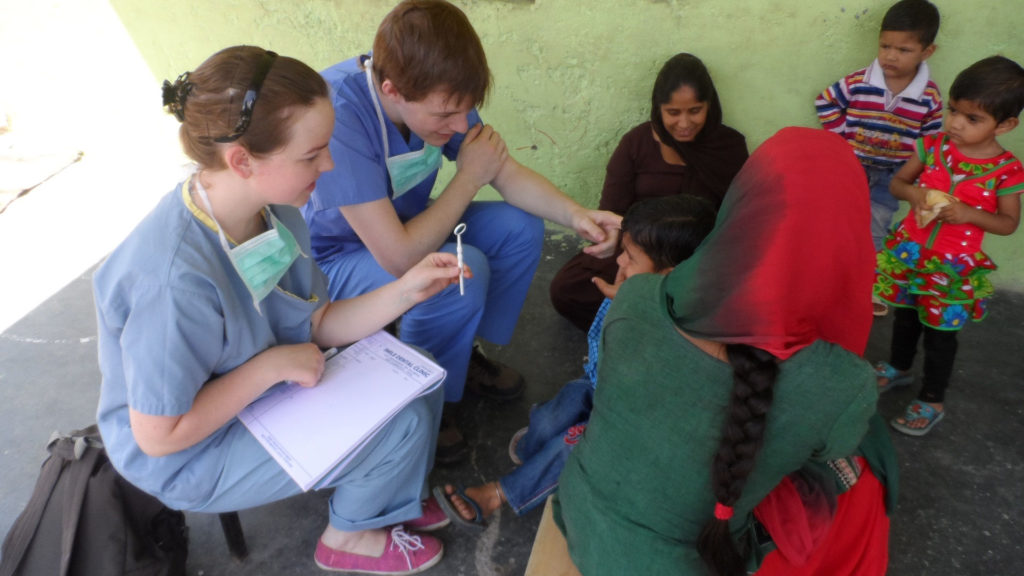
x: 444, y: 499
x: 918, y: 410
x: 895, y: 377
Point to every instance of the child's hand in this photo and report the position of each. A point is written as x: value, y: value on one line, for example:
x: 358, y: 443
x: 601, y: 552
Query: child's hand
x: 919, y: 202
x: 299, y: 363
x: 956, y: 213
x: 609, y: 290
x: 431, y: 275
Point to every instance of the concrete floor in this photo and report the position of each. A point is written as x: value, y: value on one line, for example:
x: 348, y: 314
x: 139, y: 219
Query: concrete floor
x: 961, y: 486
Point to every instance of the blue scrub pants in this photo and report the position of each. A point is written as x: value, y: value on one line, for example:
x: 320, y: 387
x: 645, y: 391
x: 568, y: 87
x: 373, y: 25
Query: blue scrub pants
x: 502, y: 245
x: 381, y: 486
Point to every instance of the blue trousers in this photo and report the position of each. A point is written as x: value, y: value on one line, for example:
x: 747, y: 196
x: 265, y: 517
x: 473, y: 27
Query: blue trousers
x: 382, y: 485
x: 555, y: 427
x: 502, y: 246
x: 883, y: 203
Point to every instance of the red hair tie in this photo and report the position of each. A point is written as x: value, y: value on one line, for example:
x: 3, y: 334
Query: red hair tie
x: 722, y: 512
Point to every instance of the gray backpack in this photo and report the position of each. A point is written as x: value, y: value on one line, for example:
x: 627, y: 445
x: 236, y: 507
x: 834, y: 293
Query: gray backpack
x: 83, y: 519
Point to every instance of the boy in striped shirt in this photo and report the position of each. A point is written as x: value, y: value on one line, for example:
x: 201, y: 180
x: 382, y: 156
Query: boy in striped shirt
x: 882, y: 109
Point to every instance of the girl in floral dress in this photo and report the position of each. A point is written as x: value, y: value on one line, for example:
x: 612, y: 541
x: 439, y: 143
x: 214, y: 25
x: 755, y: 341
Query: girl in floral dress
x: 932, y: 268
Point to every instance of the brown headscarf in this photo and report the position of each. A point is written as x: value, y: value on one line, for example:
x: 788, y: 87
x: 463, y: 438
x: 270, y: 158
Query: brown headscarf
x: 718, y: 151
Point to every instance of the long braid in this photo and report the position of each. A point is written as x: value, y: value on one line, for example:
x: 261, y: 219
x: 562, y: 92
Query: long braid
x: 754, y: 375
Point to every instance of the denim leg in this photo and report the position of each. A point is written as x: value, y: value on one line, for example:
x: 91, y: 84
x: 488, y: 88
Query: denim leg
x: 881, y: 224
x: 550, y: 420
x: 528, y: 485
x: 555, y: 428
x: 883, y: 203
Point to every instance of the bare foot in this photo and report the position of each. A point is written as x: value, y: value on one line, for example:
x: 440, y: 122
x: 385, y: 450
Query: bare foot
x: 921, y: 422
x: 365, y: 542
x: 488, y: 497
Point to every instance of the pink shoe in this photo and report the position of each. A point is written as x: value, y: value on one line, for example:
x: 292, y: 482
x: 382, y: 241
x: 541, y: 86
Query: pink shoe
x: 433, y: 517
x: 404, y: 553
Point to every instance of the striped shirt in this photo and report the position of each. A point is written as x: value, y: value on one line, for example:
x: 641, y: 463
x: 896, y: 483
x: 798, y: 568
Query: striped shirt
x: 880, y: 126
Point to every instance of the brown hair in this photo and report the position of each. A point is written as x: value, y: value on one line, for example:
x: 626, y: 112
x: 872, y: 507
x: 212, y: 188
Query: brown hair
x: 208, y: 102
x: 428, y: 45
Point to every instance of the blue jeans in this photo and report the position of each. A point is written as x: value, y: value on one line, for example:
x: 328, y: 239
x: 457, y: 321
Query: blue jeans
x: 555, y: 427
x: 883, y: 203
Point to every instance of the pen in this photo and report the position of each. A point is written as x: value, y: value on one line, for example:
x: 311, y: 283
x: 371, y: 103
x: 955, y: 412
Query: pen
x: 458, y: 253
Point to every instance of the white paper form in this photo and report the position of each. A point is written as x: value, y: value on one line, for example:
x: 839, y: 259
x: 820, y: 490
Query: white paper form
x: 312, y: 431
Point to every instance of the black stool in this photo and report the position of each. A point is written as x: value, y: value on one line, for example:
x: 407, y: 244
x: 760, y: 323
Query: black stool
x: 233, y: 534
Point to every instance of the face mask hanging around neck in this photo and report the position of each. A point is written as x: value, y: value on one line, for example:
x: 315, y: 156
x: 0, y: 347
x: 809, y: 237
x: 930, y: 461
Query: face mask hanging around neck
x: 409, y: 169
x: 262, y: 261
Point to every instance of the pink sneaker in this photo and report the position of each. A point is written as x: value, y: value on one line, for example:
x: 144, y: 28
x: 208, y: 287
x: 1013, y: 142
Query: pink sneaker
x: 433, y: 517
x: 404, y: 553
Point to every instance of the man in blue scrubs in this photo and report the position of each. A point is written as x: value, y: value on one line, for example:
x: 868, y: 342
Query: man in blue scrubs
x: 371, y: 218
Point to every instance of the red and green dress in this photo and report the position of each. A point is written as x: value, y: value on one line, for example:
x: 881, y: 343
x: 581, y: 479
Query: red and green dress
x: 941, y: 269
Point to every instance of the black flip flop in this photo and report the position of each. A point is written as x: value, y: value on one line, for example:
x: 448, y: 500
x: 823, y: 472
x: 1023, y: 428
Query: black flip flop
x: 477, y: 524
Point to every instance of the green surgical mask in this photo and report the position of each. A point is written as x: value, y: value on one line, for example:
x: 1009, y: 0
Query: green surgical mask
x: 409, y: 169
x: 261, y: 261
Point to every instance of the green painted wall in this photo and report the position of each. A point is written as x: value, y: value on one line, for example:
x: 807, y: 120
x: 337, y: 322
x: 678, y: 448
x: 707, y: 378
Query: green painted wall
x: 571, y: 76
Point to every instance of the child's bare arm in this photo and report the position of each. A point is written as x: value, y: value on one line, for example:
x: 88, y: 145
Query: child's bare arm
x: 609, y: 290
x: 902, y: 185
x: 1004, y: 222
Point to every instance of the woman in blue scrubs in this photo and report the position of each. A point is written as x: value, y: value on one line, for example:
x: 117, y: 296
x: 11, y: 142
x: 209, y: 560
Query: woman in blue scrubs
x: 213, y: 299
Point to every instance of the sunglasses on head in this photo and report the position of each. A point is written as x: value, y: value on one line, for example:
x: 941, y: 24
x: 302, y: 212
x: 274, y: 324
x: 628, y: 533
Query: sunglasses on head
x: 249, y: 100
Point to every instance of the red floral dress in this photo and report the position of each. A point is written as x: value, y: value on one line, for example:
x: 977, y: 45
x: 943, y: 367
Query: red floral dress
x: 941, y: 269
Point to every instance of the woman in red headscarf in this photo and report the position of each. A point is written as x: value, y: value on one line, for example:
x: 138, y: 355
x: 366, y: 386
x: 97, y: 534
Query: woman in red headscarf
x: 738, y: 373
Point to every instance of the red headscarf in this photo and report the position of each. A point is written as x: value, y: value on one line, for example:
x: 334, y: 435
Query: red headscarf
x: 790, y: 259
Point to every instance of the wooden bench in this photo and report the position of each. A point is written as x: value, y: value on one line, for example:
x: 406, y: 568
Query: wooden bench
x: 550, y: 553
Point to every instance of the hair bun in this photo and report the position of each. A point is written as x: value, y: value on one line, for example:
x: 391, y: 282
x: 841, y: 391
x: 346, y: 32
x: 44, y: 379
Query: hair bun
x: 174, y: 95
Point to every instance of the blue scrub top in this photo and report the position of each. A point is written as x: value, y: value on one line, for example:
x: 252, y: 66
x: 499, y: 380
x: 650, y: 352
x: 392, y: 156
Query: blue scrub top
x: 360, y: 171
x: 172, y: 314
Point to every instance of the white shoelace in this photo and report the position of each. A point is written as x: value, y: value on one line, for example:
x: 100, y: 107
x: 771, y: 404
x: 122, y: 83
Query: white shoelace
x: 405, y: 542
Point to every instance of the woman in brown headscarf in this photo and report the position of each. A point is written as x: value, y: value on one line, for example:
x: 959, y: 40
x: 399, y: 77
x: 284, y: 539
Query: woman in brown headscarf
x: 683, y: 149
